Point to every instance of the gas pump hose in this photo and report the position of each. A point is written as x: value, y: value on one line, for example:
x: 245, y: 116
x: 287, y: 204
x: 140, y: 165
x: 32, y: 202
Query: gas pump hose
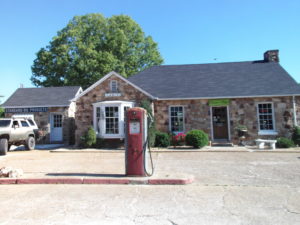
x: 147, y: 143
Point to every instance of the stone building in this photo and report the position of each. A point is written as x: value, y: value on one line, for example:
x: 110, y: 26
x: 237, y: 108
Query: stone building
x: 216, y: 98
x: 52, y: 109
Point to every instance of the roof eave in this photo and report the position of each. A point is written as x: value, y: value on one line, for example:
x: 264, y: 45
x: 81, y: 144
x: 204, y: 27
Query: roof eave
x: 222, y: 97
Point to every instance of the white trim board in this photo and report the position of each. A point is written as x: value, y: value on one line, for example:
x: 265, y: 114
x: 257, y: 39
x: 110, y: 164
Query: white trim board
x: 37, y: 106
x: 229, y: 97
x: 104, y: 78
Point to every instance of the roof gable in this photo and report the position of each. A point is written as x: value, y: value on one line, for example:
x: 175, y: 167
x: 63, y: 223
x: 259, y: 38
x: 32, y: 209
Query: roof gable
x: 105, y: 78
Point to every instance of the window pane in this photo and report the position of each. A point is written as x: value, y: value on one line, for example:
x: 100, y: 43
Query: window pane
x: 112, y: 120
x: 24, y: 124
x: 265, y: 116
x: 176, y: 119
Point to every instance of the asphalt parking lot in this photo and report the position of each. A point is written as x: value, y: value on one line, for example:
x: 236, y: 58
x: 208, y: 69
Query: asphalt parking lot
x: 229, y: 188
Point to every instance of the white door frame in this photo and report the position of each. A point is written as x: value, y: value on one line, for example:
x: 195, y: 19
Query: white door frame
x: 51, y: 127
x: 211, y: 122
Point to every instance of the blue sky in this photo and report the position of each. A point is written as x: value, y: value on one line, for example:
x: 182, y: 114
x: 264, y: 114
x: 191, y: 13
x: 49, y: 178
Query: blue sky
x: 187, y: 31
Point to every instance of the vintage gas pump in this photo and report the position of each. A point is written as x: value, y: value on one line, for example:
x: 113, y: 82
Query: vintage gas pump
x: 137, y: 142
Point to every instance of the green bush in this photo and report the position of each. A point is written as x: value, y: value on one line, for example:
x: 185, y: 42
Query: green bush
x: 99, y: 143
x: 1, y: 112
x: 162, y: 139
x: 196, y: 138
x: 283, y: 142
x: 90, y: 138
x: 296, y: 135
x: 145, y: 104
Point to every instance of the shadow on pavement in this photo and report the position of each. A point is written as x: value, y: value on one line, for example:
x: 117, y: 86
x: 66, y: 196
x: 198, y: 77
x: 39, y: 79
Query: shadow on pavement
x: 86, y: 175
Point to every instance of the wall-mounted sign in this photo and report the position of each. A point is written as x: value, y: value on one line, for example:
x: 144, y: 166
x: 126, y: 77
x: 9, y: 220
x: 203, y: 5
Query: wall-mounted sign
x: 112, y: 94
x: 26, y: 110
x: 218, y: 102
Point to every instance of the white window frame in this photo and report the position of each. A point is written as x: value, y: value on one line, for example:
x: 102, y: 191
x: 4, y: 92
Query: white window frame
x: 183, y: 115
x: 111, y: 86
x: 266, y: 132
x: 102, y: 105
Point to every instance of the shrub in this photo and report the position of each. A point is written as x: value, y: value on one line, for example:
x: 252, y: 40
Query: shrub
x: 151, y: 121
x: 296, y: 135
x: 99, y: 143
x: 161, y: 139
x: 196, y: 138
x: 283, y: 142
x: 90, y: 138
x: 1, y: 112
x: 178, y: 139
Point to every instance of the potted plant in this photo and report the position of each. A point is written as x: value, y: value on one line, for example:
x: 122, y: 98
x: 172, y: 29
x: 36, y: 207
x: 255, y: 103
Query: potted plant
x: 242, y: 131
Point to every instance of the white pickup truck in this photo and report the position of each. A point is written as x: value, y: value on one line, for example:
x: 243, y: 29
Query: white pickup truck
x: 16, y: 131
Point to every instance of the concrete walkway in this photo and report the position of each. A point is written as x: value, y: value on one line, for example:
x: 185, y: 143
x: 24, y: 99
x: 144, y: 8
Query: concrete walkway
x: 236, y: 188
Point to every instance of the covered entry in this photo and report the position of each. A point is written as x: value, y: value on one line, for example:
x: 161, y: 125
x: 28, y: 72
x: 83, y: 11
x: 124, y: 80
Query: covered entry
x: 220, y: 123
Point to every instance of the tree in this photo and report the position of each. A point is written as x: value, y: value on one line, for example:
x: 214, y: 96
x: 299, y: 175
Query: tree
x: 1, y: 112
x: 91, y: 46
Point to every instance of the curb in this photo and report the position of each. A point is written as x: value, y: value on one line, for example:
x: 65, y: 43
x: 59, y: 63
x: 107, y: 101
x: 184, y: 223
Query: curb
x: 147, y: 181
x: 180, y: 151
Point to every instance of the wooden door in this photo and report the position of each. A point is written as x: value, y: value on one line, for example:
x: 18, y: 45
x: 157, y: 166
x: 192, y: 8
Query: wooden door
x: 220, y: 122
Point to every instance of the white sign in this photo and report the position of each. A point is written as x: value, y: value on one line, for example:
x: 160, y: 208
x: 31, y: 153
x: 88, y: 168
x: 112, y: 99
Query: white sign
x: 134, y: 127
x: 112, y: 94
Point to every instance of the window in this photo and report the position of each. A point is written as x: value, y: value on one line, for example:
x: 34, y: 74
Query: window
x: 111, y: 120
x: 114, y: 86
x: 16, y: 124
x: 176, y: 119
x: 266, y: 117
x: 4, y: 123
x: 57, y: 120
x: 24, y: 123
x: 31, y: 122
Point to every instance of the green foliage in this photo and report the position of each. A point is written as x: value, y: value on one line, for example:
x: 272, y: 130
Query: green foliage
x: 99, y: 143
x: 90, y: 138
x: 151, y: 121
x: 283, y: 142
x: 296, y: 135
x: 196, y: 138
x: 91, y: 46
x: 162, y: 139
x: 1, y: 113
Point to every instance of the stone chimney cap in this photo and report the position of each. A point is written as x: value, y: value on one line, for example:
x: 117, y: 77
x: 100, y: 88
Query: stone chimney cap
x: 271, y: 56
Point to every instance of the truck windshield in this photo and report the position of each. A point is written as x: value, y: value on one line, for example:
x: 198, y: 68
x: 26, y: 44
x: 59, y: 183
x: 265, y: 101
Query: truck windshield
x: 4, y: 123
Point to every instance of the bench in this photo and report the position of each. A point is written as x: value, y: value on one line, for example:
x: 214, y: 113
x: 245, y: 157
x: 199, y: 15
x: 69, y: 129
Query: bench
x: 261, y: 143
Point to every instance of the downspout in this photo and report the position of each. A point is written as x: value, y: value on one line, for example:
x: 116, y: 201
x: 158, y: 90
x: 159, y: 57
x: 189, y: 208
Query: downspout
x: 294, y: 112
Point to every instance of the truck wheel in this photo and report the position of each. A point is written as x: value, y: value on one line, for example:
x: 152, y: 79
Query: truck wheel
x: 3, y: 146
x: 30, y: 143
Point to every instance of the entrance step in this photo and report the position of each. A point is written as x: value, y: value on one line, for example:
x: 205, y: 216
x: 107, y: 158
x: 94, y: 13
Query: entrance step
x: 221, y: 143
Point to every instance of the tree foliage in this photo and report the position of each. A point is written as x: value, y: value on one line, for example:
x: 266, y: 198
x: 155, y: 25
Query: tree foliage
x: 91, y: 46
x: 1, y: 112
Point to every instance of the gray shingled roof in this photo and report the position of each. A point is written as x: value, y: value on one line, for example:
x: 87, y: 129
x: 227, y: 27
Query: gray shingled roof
x: 40, y: 97
x: 215, y: 80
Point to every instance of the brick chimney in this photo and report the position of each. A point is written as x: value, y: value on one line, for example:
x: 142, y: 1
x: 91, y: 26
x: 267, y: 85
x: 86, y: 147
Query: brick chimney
x: 271, y: 56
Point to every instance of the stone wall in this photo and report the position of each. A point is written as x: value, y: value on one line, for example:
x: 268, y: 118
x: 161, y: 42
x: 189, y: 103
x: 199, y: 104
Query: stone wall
x: 241, y: 111
x: 84, y: 105
x: 197, y: 114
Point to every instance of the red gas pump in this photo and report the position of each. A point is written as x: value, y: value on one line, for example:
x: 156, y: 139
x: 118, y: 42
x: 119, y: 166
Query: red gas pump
x: 136, y: 142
